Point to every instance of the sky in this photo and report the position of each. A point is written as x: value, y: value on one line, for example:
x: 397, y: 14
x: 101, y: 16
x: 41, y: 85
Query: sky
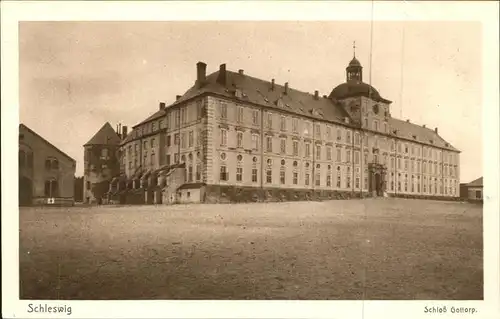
x: 75, y: 76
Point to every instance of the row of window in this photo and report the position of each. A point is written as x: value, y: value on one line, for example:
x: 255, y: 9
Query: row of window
x: 426, y: 167
x: 26, y: 160
x: 174, y: 118
x: 168, y: 160
x: 430, y: 186
x: 189, y: 173
x: 185, y: 139
x: 269, y: 140
x: 376, y: 127
x: 318, y: 181
x: 284, y: 121
x: 307, y: 126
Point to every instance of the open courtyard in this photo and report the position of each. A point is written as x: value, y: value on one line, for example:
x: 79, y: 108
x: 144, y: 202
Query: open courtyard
x: 344, y: 249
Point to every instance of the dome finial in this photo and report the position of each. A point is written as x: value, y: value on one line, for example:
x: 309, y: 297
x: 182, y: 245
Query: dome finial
x: 354, y: 48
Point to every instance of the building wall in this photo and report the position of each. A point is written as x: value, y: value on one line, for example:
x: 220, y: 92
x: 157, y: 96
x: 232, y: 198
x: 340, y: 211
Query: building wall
x: 173, y: 138
x: 340, y: 164
x: 174, y: 180
x: 36, y: 152
x: 211, y: 133
x: 101, y: 164
x: 475, y: 193
x: 186, y: 196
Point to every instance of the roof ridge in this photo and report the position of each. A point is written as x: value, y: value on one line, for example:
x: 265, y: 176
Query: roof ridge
x: 21, y: 125
x: 264, y: 81
x: 101, y: 136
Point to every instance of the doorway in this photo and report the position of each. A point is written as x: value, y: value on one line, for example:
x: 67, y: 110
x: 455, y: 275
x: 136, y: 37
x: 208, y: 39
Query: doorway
x: 378, y: 185
x: 25, y: 191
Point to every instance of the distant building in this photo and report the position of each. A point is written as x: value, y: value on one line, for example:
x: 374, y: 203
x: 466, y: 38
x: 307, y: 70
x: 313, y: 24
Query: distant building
x: 237, y: 137
x: 46, y: 174
x: 475, y: 190
x: 101, y: 163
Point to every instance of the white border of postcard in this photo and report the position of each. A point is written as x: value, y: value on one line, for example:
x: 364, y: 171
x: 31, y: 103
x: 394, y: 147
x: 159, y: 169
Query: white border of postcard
x: 13, y: 12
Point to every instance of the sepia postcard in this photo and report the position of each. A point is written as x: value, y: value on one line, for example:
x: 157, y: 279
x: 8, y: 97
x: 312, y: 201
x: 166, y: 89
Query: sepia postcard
x: 250, y: 159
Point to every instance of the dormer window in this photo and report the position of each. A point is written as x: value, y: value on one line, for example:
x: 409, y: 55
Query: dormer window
x: 279, y: 103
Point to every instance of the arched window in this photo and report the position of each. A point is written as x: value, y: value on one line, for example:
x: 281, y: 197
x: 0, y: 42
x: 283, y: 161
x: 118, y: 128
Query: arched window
x: 47, y: 164
x: 55, y: 164
x: 22, y: 159
x: 51, y: 188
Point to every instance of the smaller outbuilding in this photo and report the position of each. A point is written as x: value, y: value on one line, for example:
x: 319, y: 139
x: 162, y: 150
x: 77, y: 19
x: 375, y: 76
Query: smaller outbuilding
x: 473, y: 191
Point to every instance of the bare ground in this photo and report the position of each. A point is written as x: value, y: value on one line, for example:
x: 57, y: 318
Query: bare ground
x: 356, y: 249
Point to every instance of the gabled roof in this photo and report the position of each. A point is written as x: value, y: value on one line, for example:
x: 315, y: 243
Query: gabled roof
x: 24, y: 127
x: 423, y: 135
x: 105, y: 136
x: 476, y: 183
x: 260, y: 92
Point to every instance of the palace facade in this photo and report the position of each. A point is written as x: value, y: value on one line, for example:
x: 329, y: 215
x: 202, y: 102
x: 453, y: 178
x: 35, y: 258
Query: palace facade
x: 233, y: 137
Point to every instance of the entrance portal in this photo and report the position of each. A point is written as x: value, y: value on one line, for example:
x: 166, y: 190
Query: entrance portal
x: 377, y: 179
x: 378, y: 185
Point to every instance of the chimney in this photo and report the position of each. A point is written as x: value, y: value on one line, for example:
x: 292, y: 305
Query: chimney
x: 222, y: 74
x: 272, y: 85
x: 240, y: 71
x: 316, y: 95
x: 124, y: 131
x: 201, y: 72
x: 162, y: 106
x: 436, y: 130
x: 407, y: 121
x: 177, y: 97
x: 286, y: 88
x: 423, y: 126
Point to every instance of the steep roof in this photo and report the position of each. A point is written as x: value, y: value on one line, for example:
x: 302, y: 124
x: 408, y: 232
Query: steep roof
x: 257, y: 91
x: 105, y: 136
x: 130, y: 136
x: 260, y: 92
x: 476, y: 183
x: 24, y: 127
x: 423, y: 134
x: 356, y: 88
x: 153, y: 116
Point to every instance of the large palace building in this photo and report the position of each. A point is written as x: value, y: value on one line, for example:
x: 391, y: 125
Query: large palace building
x: 233, y: 137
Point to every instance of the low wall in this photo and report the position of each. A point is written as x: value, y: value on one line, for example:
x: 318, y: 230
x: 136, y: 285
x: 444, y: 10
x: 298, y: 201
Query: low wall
x: 241, y: 194
x: 56, y: 201
x: 428, y: 197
